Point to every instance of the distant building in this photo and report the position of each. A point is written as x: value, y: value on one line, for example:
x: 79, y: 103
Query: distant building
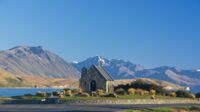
x: 94, y: 78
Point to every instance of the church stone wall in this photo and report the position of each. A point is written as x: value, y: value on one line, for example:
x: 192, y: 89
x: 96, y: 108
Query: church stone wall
x: 89, y: 75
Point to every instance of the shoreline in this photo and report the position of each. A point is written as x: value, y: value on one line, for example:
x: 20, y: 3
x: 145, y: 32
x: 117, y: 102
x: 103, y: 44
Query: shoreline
x: 30, y: 88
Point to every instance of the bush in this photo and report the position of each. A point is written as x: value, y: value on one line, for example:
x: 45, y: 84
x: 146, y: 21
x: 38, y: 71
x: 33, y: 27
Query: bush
x: 146, y: 92
x: 68, y: 93
x: 120, y: 91
x: 185, y: 94
x: 172, y: 94
x: 113, y: 95
x: 152, y: 92
x: 139, y: 92
x: 61, y: 96
x: 84, y: 95
x: 41, y: 94
x: 94, y: 93
x: 55, y: 93
x: 75, y: 91
x: 197, y: 95
x: 100, y: 92
x: 141, y: 84
x: 131, y: 91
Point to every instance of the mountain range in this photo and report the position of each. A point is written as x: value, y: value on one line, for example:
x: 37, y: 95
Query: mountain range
x: 120, y: 69
x: 38, y: 66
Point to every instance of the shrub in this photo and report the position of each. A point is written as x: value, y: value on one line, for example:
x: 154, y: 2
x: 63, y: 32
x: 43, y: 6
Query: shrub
x: 146, y: 92
x: 172, y: 94
x: 55, y: 93
x: 186, y: 94
x: 84, y: 94
x: 94, y: 93
x: 111, y: 95
x: 131, y: 91
x: 120, y: 91
x: 152, y: 92
x: 197, y: 95
x: 68, y: 93
x: 61, y: 96
x: 75, y: 91
x: 139, y: 92
x: 41, y: 94
x: 142, y: 84
x: 100, y: 92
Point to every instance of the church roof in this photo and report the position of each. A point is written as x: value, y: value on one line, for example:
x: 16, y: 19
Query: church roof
x: 104, y: 73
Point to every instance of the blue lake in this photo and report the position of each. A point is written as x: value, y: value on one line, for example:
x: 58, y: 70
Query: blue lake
x: 8, y: 92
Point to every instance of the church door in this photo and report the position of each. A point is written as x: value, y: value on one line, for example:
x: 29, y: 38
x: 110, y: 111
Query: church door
x: 93, y: 85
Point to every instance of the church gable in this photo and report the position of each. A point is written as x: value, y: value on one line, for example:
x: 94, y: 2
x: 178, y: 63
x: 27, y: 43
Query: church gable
x: 103, y: 72
x: 94, y: 78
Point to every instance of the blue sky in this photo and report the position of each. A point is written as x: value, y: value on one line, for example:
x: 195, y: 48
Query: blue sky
x: 150, y: 32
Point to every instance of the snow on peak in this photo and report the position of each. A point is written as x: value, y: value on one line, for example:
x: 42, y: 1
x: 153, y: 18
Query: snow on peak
x: 101, y: 60
x: 75, y: 62
x: 198, y: 70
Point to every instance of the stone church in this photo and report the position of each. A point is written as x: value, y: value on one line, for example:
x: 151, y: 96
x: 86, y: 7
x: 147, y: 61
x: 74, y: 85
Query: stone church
x: 96, y: 77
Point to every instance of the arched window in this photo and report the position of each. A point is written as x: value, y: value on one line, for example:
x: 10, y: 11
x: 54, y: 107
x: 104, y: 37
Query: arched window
x: 93, y: 85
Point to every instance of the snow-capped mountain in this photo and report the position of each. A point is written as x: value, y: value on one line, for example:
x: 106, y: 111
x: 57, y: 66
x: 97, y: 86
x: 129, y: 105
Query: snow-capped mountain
x: 120, y: 69
x: 36, y: 61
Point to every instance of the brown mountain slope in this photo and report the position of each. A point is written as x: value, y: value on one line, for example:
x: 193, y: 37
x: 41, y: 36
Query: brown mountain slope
x: 8, y: 80
x: 50, y: 82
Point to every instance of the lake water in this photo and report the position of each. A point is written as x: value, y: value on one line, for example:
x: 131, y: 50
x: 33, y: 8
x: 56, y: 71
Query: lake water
x: 8, y: 92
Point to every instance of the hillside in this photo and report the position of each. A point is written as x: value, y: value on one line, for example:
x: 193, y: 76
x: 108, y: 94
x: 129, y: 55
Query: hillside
x: 8, y: 80
x: 36, y: 61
